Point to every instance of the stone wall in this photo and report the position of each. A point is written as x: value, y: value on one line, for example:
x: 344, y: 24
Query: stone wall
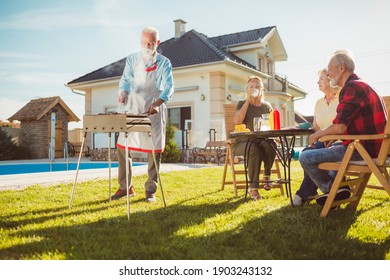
x: 102, y: 154
x: 35, y: 135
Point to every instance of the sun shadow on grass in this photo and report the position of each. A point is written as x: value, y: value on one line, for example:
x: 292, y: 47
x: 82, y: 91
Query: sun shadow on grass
x: 183, y: 231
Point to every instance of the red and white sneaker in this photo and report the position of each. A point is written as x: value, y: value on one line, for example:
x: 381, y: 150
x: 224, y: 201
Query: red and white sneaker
x: 121, y: 193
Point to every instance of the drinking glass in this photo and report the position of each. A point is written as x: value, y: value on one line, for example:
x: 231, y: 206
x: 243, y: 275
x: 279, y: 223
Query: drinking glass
x: 257, y: 123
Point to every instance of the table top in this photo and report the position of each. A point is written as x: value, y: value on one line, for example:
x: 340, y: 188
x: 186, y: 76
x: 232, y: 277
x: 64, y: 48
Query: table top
x: 273, y: 133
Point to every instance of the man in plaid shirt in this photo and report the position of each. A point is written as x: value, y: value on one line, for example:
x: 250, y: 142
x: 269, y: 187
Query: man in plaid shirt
x: 360, y: 111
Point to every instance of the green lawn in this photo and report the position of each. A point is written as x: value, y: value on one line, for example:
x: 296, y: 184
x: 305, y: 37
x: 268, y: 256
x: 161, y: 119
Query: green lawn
x: 200, y: 222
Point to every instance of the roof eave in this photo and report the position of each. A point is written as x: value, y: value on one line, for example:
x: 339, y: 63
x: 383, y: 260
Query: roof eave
x: 282, y: 55
x: 254, y: 71
x: 71, y: 115
x: 242, y: 45
x: 298, y: 90
x: 92, y: 83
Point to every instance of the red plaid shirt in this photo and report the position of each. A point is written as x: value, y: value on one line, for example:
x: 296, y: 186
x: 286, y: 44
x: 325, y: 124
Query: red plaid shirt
x: 363, y: 111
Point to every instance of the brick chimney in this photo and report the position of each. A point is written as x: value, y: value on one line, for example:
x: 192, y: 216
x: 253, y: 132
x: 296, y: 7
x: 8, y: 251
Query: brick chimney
x: 180, y: 27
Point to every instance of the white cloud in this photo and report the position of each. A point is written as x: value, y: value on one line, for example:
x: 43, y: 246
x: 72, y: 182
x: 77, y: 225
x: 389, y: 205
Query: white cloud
x: 46, y: 19
x: 9, y: 66
x: 18, y: 55
x: 110, y: 14
x: 13, y: 64
x: 41, y: 79
x: 9, y: 107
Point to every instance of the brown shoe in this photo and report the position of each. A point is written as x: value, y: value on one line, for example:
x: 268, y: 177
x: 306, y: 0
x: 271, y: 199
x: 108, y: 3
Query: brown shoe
x: 121, y: 193
x: 267, y: 183
x: 268, y: 186
x: 150, y: 197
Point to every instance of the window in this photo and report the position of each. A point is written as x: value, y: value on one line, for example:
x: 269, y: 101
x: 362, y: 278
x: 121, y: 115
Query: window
x: 177, y: 117
x: 260, y: 64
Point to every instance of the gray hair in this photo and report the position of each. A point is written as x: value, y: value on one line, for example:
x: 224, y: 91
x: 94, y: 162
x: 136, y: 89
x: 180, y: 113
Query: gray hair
x: 344, y: 57
x: 151, y: 30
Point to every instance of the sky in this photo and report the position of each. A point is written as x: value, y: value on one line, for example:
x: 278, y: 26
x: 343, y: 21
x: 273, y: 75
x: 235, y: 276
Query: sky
x: 46, y: 44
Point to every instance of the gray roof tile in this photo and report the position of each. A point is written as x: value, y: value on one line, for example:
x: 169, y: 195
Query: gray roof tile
x: 242, y: 37
x: 192, y: 48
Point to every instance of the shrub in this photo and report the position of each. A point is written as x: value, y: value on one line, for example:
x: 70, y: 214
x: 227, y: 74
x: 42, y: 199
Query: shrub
x: 9, y: 150
x: 171, y: 152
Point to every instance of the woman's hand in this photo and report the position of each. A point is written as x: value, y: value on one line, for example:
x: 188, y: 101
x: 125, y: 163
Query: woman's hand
x: 313, y: 138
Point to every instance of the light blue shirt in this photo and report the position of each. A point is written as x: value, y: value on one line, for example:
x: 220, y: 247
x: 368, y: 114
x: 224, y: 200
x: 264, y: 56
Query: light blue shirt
x: 164, y: 78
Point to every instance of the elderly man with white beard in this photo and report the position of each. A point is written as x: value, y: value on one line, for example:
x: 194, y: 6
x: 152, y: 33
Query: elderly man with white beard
x: 360, y: 111
x: 144, y: 88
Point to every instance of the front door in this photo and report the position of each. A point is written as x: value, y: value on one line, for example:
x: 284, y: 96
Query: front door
x: 177, y: 117
x: 58, y: 149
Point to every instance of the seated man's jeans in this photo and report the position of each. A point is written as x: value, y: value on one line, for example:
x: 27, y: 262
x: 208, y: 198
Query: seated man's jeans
x: 308, y: 188
x: 310, y: 159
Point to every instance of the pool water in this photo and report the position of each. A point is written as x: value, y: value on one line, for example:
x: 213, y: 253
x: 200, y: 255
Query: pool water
x: 21, y: 168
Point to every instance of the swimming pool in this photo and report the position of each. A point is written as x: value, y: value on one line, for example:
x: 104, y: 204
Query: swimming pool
x: 21, y: 168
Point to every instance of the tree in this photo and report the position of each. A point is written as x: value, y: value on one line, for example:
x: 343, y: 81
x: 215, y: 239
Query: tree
x: 9, y: 150
x: 6, y: 145
x: 171, y: 152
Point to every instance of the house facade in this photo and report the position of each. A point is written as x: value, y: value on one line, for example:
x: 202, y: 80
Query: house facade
x: 208, y: 72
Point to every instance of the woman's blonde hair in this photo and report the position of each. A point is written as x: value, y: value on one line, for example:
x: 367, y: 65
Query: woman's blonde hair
x: 250, y: 78
x: 336, y: 89
x: 261, y: 84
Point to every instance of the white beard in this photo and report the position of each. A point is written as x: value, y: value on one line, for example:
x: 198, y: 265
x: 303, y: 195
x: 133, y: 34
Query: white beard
x: 148, y: 52
x: 334, y: 82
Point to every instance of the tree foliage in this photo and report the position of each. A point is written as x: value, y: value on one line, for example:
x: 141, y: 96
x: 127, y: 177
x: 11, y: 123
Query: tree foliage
x: 171, y: 152
x: 9, y: 150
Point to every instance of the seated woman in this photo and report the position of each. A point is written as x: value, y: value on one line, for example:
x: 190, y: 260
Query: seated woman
x: 255, y: 106
x: 324, y: 113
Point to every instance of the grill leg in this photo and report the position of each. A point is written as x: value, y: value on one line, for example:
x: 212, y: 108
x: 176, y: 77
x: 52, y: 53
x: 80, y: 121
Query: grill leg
x: 77, y: 170
x: 127, y: 176
x: 109, y: 166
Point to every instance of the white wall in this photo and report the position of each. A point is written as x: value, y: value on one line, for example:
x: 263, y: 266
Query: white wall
x: 200, y: 109
x: 103, y: 98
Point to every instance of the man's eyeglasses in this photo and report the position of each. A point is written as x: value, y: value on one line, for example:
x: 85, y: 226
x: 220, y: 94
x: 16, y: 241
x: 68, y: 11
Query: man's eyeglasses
x: 148, y: 44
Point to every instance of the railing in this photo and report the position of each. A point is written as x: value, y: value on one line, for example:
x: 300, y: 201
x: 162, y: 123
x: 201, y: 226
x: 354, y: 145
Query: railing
x: 277, y: 83
x: 66, y: 154
x: 199, y: 132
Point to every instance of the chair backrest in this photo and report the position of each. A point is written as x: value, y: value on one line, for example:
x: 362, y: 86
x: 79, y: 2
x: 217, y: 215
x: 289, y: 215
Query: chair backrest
x: 386, y: 99
x: 385, y: 148
x: 230, y: 109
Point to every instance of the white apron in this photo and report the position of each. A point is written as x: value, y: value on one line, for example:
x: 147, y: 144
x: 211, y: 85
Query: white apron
x: 144, y: 94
